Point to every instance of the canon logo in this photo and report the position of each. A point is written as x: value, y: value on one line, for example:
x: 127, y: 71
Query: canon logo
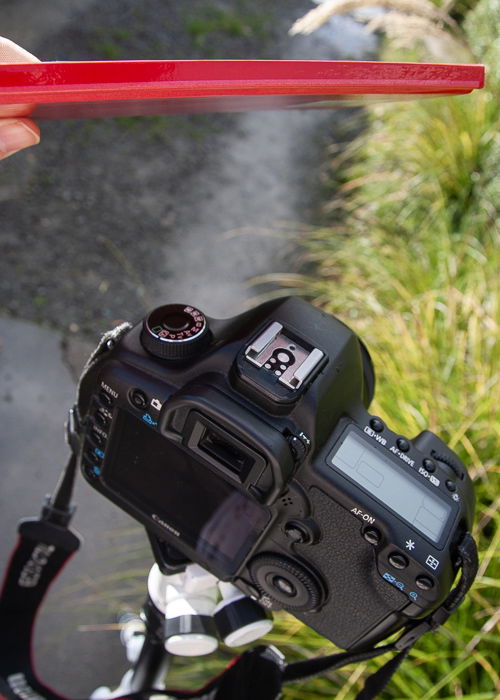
x: 20, y: 686
x: 32, y: 570
x: 168, y: 527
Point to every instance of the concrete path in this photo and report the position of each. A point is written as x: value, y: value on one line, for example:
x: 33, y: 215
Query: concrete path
x: 36, y: 390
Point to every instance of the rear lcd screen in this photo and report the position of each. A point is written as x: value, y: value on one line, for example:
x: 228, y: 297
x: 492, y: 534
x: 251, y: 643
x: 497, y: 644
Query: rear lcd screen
x: 391, y: 485
x: 181, y: 494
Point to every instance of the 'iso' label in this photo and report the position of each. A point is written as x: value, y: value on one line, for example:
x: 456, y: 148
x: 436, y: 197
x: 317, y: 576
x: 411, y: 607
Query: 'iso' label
x: 433, y: 479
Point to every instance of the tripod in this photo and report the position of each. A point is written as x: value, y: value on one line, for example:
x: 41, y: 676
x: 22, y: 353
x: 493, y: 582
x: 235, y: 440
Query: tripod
x: 187, y: 611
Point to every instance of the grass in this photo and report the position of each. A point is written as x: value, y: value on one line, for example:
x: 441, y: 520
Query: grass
x: 411, y: 261
x: 110, y: 44
x: 204, y: 24
x: 429, y: 314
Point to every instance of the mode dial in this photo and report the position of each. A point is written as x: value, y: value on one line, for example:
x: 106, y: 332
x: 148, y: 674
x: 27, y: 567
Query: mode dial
x: 175, y: 332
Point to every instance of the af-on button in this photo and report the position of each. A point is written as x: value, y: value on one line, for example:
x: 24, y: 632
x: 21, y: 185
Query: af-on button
x: 372, y: 535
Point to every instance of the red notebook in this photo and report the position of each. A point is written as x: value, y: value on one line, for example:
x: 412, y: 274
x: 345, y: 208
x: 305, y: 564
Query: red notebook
x: 61, y: 90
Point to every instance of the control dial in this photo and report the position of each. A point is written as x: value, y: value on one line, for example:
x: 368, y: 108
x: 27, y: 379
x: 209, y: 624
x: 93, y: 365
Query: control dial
x: 175, y: 332
x: 286, y: 583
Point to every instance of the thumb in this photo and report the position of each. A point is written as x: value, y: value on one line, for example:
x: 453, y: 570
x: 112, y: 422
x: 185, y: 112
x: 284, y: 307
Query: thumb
x: 12, y: 53
x: 15, y: 134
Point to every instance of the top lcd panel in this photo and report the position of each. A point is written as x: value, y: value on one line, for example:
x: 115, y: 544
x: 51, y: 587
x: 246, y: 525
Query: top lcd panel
x: 76, y: 89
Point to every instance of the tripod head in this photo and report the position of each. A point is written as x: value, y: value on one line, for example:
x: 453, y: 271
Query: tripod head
x: 198, y: 608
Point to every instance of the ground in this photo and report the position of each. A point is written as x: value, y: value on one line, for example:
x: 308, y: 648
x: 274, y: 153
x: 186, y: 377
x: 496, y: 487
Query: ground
x: 108, y: 218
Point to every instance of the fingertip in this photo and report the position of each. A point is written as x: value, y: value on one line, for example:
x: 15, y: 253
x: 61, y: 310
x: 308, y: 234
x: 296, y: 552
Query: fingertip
x: 33, y: 127
x: 17, y: 134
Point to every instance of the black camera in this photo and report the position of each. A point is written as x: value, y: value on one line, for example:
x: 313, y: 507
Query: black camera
x: 245, y: 445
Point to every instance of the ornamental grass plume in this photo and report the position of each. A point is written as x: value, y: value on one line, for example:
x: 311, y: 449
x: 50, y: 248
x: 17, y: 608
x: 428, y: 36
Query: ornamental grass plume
x: 405, y: 23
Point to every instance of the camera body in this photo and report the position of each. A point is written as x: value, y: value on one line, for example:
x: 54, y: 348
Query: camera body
x: 245, y: 445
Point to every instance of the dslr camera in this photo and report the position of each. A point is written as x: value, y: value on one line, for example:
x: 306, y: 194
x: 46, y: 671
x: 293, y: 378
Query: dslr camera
x: 245, y: 445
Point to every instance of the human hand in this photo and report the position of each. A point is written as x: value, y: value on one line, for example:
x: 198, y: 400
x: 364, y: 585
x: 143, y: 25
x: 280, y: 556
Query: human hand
x: 16, y: 132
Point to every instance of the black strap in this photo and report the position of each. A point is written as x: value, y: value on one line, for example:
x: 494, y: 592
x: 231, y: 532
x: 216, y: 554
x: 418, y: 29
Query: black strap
x: 255, y: 675
x: 299, y: 670
x: 42, y: 551
x: 376, y: 683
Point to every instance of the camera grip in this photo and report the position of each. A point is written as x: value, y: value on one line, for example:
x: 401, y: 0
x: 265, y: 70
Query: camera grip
x: 349, y: 568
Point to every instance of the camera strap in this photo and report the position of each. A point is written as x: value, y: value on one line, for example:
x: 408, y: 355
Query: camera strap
x: 42, y: 551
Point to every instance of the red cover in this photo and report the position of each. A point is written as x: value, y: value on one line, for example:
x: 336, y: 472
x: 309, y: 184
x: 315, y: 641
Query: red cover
x: 59, y: 90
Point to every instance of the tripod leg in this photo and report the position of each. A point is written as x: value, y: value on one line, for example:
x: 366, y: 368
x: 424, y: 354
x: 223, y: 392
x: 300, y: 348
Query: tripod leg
x: 151, y: 667
x: 144, y: 642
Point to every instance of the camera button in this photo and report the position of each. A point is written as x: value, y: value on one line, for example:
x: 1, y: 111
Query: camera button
x: 101, y: 418
x: 297, y: 534
x: 398, y: 560
x: 372, y: 535
x: 451, y: 485
x: 429, y: 465
x: 97, y: 437
x: 138, y: 398
x: 377, y: 425
x: 105, y: 399
x: 425, y: 583
x: 297, y: 448
x: 286, y: 583
x: 94, y: 456
x: 284, y: 586
x: 403, y: 444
